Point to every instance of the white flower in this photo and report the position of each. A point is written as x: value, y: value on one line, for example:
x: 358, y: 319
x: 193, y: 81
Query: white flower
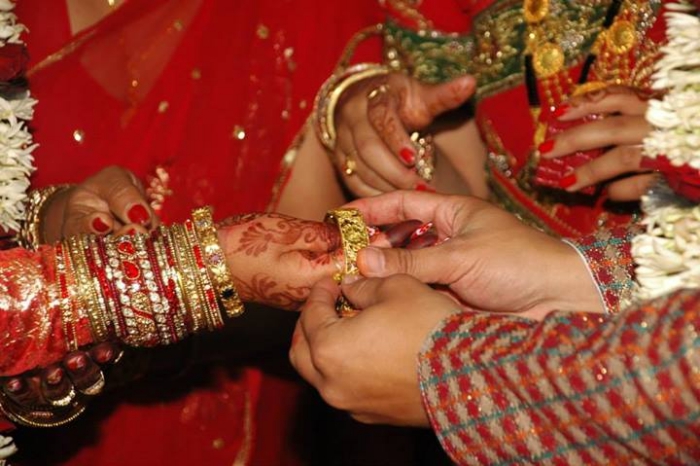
x: 7, y: 447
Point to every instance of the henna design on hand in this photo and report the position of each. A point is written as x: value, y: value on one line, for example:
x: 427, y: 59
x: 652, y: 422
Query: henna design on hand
x: 264, y: 289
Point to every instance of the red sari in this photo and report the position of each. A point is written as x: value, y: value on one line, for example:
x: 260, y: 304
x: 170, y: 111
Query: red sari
x: 201, y: 99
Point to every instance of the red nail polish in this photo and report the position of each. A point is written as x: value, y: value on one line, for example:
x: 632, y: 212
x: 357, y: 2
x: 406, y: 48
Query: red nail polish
x: 546, y: 146
x: 139, y: 214
x: 131, y: 232
x: 77, y: 362
x: 420, y: 231
x: 561, y: 110
x: 14, y: 386
x: 424, y: 187
x: 99, y: 225
x: 407, y: 155
x: 55, y: 376
x: 567, y: 181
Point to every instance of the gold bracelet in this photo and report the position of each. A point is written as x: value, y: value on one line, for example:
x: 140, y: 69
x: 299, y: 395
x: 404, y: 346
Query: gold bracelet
x: 330, y: 93
x: 29, y: 235
x: 215, y: 261
x: 354, y: 237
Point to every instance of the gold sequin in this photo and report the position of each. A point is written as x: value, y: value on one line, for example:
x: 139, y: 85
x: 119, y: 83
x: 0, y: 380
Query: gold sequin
x: 163, y: 106
x: 285, y: 114
x: 196, y: 73
x: 548, y: 59
x: 134, y: 83
x: 79, y: 136
x: 621, y: 36
x: 218, y: 444
x: 263, y: 32
x: 238, y: 132
x: 303, y: 104
x: 178, y: 25
x: 535, y: 10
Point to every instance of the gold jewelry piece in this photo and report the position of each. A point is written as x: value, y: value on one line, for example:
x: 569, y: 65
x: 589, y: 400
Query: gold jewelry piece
x: 96, y: 388
x: 349, y: 165
x: 425, y: 155
x: 354, y: 237
x: 38, y: 416
x: 381, y: 89
x: 64, y: 401
x: 330, y: 93
x: 29, y: 235
x: 216, y: 262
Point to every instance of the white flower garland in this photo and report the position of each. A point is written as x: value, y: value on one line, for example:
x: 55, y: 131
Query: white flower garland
x: 16, y: 144
x: 668, y: 253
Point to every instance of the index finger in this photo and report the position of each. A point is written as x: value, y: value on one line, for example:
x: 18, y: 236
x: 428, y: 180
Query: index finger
x: 398, y: 206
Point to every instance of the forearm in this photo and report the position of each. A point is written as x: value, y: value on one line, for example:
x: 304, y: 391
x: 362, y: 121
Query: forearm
x: 572, y: 388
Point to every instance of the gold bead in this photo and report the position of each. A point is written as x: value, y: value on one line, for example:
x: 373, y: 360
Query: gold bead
x: 535, y: 11
x: 79, y: 136
x: 548, y: 59
x: 621, y: 37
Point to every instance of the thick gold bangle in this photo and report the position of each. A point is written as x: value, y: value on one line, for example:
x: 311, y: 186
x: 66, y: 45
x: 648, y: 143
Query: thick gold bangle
x: 29, y: 235
x: 215, y: 261
x: 330, y: 93
x: 41, y: 416
x: 354, y: 237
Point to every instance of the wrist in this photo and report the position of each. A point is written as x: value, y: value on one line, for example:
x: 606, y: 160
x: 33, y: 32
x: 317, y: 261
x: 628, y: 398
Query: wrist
x: 577, y: 289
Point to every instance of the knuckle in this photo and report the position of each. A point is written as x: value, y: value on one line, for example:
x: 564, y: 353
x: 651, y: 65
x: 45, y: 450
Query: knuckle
x: 629, y: 157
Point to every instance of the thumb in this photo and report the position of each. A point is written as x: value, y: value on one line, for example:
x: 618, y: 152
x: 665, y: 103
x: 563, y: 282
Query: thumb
x: 427, y: 265
x: 436, y: 99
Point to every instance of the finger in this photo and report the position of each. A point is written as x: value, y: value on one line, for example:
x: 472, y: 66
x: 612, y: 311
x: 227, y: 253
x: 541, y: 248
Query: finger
x: 427, y: 265
x: 367, y: 174
x: 630, y: 189
x: 106, y: 353
x: 610, y: 131
x: 620, y: 100
x: 385, y: 121
x: 130, y: 229
x: 319, y: 311
x: 368, y: 292
x: 300, y: 358
x: 400, y: 233
x: 85, y: 374
x: 23, y: 390
x: 424, y: 241
x: 428, y: 101
x: 124, y: 194
x: 56, y: 387
x: 398, y: 206
x: 383, y: 161
x: 615, y: 162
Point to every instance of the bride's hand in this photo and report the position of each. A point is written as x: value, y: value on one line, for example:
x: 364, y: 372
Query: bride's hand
x: 275, y: 259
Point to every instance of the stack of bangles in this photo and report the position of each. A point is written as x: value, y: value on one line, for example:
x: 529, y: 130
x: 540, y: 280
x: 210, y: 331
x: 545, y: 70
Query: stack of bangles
x: 145, y: 291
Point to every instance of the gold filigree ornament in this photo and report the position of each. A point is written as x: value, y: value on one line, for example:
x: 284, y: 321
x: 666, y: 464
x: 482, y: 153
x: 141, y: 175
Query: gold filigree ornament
x: 425, y: 155
x: 42, y: 416
x: 535, y: 10
x: 548, y: 59
x: 354, y: 237
x: 621, y: 37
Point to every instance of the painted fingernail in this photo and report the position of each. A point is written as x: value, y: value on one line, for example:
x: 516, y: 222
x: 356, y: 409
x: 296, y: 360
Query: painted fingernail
x: 546, y: 146
x: 561, y: 110
x: 131, y: 232
x: 425, y: 188
x: 567, y: 180
x: 420, y: 231
x: 76, y: 362
x: 407, y: 155
x: 372, y: 231
x: 99, y: 225
x: 54, y: 376
x: 14, y: 385
x: 138, y: 214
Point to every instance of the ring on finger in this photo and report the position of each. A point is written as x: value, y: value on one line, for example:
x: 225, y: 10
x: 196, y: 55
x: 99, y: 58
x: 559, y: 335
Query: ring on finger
x: 64, y: 400
x: 96, y: 388
x: 350, y: 164
x: 374, y: 93
x: 425, y: 155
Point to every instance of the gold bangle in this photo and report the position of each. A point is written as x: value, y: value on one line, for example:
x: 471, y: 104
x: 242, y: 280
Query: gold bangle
x: 216, y: 262
x: 40, y: 416
x: 29, y: 235
x: 330, y: 93
x: 353, y: 237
